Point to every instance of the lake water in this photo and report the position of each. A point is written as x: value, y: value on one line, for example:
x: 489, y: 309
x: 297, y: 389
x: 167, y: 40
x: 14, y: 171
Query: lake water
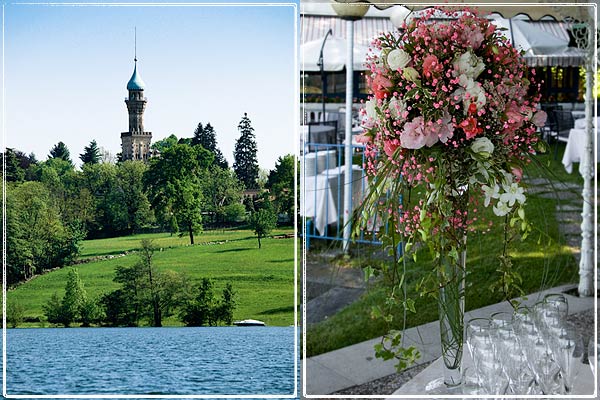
x: 173, y: 361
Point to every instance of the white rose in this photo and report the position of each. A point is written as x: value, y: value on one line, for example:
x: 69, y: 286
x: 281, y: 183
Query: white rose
x: 396, y: 107
x: 397, y: 59
x: 411, y: 74
x: 371, y: 108
x: 468, y: 64
x: 482, y: 146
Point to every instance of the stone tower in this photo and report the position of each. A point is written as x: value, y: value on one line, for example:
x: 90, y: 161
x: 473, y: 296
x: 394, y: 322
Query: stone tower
x: 135, y: 144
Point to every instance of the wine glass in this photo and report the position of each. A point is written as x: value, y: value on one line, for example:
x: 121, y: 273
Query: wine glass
x: 558, y: 302
x: 567, y: 349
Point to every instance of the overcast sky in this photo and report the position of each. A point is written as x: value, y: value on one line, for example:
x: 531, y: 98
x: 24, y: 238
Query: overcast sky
x: 67, y: 67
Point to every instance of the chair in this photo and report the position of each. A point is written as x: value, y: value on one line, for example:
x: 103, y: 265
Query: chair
x: 564, y: 124
x: 550, y: 128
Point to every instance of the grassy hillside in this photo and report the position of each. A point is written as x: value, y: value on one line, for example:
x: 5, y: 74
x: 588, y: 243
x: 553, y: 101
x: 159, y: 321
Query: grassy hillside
x: 263, y: 278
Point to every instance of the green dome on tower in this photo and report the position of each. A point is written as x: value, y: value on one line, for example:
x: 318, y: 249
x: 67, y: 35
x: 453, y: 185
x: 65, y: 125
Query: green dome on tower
x: 136, y: 82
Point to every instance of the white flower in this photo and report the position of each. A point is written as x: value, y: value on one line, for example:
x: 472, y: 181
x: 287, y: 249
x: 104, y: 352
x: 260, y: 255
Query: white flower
x: 468, y: 64
x: 410, y: 74
x: 396, y: 107
x: 512, y: 193
x: 501, y: 209
x: 483, y: 147
x: 470, y: 92
x: 397, y: 59
x: 371, y: 108
x: 490, y: 193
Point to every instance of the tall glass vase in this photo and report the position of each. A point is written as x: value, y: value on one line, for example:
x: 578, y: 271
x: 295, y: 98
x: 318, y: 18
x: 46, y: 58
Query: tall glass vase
x: 451, y: 304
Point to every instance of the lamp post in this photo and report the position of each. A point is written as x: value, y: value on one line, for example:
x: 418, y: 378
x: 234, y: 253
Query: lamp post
x: 349, y: 12
x: 321, y: 65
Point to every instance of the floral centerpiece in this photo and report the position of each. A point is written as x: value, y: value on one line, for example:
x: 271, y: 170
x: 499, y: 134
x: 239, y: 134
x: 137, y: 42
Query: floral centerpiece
x: 452, y: 119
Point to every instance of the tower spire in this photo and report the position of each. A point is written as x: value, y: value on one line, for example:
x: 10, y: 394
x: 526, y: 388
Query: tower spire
x: 135, y: 44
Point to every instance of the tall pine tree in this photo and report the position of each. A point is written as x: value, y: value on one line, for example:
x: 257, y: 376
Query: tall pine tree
x: 61, y: 151
x: 245, y: 162
x: 207, y: 138
x: 91, y: 154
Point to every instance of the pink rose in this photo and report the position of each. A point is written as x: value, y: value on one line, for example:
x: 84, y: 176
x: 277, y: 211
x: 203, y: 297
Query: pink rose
x: 539, y: 118
x: 518, y: 174
x: 413, y: 135
x: 381, y: 84
x: 390, y: 146
x: 431, y: 65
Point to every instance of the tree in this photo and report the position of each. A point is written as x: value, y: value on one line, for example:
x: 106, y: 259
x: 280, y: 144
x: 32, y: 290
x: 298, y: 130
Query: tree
x: 13, y: 171
x: 145, y: 292
x: 91, y: 154
x: 174, y: 186
x: 131, y: 197
x: 53, y: 310
x: 200, y: 310
x: 207, y: 138
x: 61, y: 151
x: 245, y: 162
x: 164, y: 144
x: 222, y: 193
x: 37, y: 237
x: 227, y: 305
x: 73, y: 299
x: 15, y: 313
x: 263, y: 221
x: 281, y: 184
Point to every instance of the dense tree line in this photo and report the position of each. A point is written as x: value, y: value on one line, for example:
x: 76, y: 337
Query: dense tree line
x: 52, y: 205
x: 145, y: 296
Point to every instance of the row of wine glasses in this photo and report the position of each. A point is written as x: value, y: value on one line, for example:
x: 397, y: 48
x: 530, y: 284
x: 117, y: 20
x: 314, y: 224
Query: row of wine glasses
x: 533, y: 350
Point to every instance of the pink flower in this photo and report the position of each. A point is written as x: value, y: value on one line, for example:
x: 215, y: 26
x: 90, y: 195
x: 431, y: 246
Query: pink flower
x: 415, y: 135
x: 470, y: 127
x: 518, y: 173
x: 381, y: 84
x: 539, y: 118
x: 472, y: 37
x: 431, y: 65
x: 390, y: 146
x: 363, y: 138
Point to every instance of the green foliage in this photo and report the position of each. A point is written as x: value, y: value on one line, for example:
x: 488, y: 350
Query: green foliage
x: 174, y: 186
x: 264, y: 220
x: 60, y: 151
x: 91, y: 154
x: 53, y: 310
x: 15, y: 313
x: 74, y: 306
x: 281, y: 183
x: 164, y: 144
x: 13, y: 171
x: 73, y: 299
x: 206, y: 309
x: 206, y: 137
x: 263, y: 279
x: 201, y: 310
x: 222, y: 193
x: 37, y: 239
x: 245, y: 162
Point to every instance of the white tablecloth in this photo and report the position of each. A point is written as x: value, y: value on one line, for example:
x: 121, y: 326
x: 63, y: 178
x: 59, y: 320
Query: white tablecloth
x: 317, y: 202
x: 576, y: 146
x: 322, y: 196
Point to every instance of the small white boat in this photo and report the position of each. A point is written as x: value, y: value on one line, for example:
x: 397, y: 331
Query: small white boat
x: 249, y: 322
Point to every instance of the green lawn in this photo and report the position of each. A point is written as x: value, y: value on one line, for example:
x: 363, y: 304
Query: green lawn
x: 263, y: 278
x: 102, y: 247
x: 543, y: 261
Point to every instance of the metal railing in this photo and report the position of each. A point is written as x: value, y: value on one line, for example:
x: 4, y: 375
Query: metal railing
x: 323, y: 189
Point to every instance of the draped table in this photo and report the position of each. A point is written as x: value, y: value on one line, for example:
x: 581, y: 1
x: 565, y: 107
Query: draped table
x: 576, y: 145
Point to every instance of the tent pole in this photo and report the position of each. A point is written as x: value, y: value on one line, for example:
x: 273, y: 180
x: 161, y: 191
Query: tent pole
x: 348, y: 135
x: 586, y: 264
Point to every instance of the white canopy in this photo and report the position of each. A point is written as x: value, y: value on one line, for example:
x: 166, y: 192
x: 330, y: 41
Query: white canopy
x: 334, y: 55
